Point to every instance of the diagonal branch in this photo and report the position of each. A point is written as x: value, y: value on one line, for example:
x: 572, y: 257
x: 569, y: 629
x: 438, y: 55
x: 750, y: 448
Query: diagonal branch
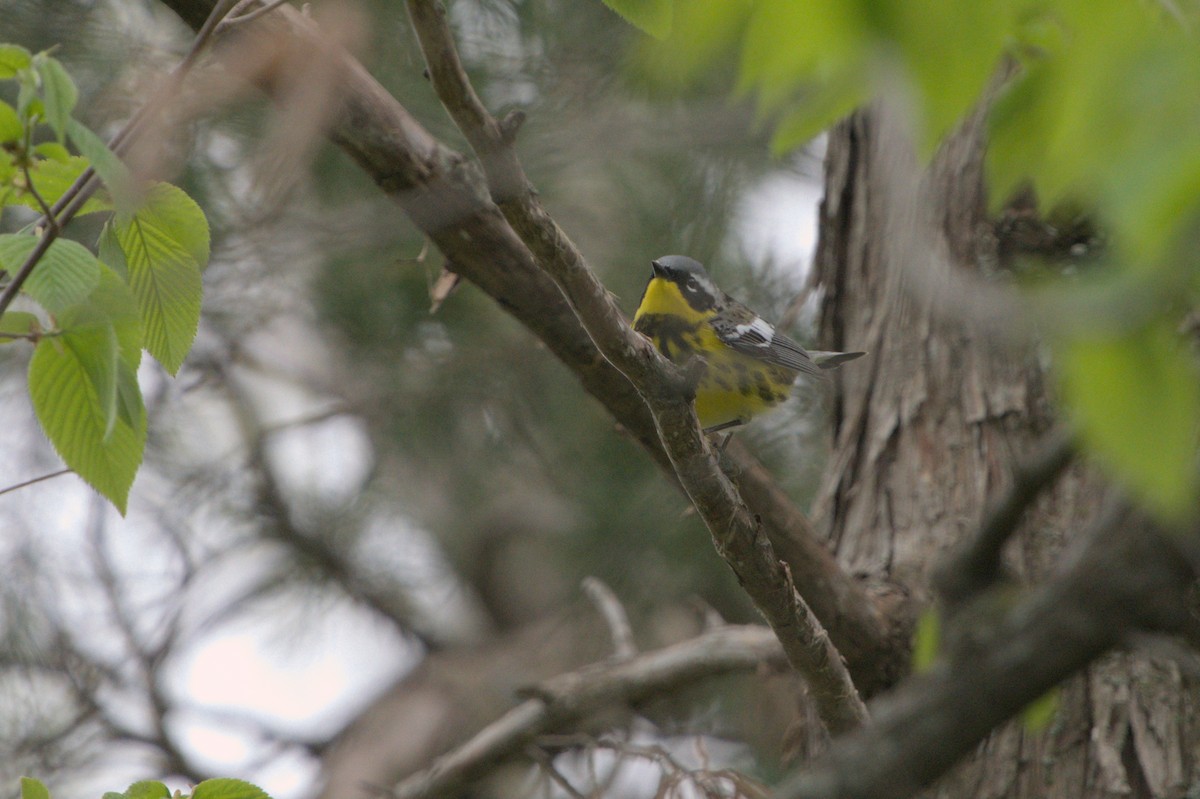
x: 444, y: 195
x: 1129, y: 576
x: 666, y: 388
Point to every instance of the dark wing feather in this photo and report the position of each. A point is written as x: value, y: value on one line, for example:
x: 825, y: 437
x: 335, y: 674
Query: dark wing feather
x: 751, y: 335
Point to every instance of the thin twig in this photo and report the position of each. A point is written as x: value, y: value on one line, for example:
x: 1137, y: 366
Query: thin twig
x: 51, y: 222
x: 52, y: 475
x: 237, y: 18
x: 614, y: 616
x: 540, y: 756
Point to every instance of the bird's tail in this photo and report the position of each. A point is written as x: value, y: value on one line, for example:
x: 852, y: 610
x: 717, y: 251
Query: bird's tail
x: 832, y: 360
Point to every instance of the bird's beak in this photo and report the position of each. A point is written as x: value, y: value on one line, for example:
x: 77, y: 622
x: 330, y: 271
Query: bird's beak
x: 659, y: 270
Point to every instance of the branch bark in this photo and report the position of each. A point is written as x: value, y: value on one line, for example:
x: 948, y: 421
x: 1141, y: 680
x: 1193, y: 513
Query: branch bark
x: 1129, y: 575
x: 666, y: 389
x: 442, y: 193
x: 562, y: 701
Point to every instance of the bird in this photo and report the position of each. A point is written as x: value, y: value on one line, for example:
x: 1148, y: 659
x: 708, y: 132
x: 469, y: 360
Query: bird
x: 748, y: 367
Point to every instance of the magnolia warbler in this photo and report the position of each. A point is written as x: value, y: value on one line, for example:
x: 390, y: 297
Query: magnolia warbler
x: 748, y: 367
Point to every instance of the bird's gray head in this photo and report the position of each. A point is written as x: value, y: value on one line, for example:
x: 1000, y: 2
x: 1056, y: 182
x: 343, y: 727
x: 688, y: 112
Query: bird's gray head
x: 689, y: 275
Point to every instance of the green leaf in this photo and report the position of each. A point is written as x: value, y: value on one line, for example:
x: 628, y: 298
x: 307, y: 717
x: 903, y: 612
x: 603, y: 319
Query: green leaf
x: 105, y: 452
x: 649, y: 16
x: 29, y: 105
x: 815, y: 113
x: 17, y: 323
x: 108, y: 166
x: 52, y: 178
x: 927, y: 640
x: 1040, y: 712
x: 228, y: 789
x: 147, y: 789
x: 33, y: 789
x: 789, y: 45
x: 114, y: 297
x: 703, y: 32
x: 113, y: 795
x: 90, y: 335
x: 951, y: 51
x: 66, y: 274
x: 58, y: 92
x: 110, y: 251
x: 1136, y: 399
x: 52, y: 150
x: 13, y: 58
x: 166, y: 246
x: 11, y: 129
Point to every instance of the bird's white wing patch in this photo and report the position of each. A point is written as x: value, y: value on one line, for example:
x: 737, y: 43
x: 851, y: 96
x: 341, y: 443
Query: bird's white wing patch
x: 758, y: 333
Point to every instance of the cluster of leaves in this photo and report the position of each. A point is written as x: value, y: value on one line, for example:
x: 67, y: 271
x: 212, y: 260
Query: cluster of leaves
x: 90, y: 315
x: 221, y: 788
x: 1098, y: 114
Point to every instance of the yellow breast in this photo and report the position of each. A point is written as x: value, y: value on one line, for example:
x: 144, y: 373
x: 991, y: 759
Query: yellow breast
x: 734, y: 387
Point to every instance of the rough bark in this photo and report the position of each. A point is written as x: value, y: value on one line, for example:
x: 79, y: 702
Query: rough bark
x: 928, y: 431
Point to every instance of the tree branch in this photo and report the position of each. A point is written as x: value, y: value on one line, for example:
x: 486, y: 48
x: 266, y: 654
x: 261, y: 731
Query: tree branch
x: 444, y: 196
x: 666, y: 388
x: 564, y: 700
x: 1128, y: 576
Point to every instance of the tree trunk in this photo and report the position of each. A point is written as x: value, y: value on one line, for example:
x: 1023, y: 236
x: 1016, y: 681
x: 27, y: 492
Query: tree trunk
x: 928, y: 429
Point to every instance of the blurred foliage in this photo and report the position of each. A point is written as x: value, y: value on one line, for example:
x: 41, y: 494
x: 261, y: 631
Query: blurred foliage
x: 1094, y: 110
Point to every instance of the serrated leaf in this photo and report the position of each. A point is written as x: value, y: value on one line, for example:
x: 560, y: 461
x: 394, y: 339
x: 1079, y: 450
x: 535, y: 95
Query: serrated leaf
x: 649, y: 16
x: 129, y: 393
x: 166, y: 246
x: 1136, y: 399
x: 58, y: 92
x: 927, y: 640
x: 110, y: 251
x: 11, y: 129
x: 108, y: 166
x: 1040, y: 712
x: 225, y: 788
x: 66, y: 274
x: 13, y: 58
x: 71, y: 414
x: 33, y: 789
x: 52, y: 178
x: 17, y: 323
x: 90, y: 335
x: 147, y: 789
x: 115, y: 299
